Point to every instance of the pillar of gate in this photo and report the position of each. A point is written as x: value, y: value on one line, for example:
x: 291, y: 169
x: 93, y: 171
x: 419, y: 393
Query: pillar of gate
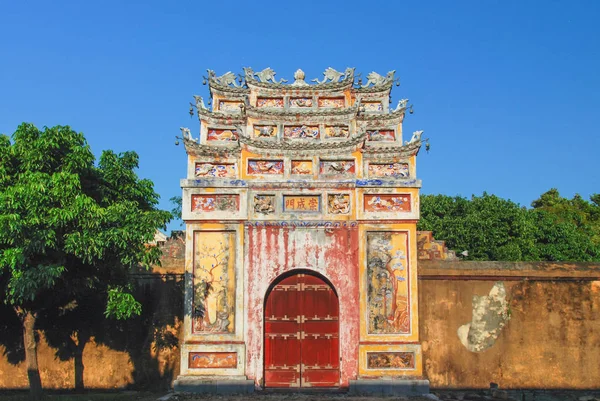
x: 301, y: 176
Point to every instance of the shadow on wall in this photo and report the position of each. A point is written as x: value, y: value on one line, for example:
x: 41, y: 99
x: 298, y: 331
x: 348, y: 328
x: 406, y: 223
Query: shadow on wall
x: 150, y: 340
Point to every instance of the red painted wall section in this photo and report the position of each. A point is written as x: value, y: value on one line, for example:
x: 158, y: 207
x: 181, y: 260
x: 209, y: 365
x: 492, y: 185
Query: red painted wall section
x: 332, y: 252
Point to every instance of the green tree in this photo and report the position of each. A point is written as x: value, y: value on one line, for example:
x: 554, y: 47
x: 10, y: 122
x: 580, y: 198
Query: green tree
x: 69, y: 226
x: 488, y: 227
x: 568, y: 229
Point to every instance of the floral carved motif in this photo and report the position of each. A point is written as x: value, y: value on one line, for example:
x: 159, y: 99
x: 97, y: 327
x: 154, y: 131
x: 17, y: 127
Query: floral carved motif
x: 338, y: 203
x: 264, y: 204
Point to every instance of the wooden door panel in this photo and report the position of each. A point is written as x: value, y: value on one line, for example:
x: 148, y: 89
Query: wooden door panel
x: 301, y: 334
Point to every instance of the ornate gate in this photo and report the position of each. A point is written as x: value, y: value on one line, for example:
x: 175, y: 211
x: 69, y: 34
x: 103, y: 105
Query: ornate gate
x: 302, y: 334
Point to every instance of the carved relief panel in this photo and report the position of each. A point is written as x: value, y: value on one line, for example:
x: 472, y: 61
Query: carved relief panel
x: 394, y: 170
x: 207, y: 169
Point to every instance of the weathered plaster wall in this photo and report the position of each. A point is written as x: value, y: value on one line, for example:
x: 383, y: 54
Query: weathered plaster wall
x: 332, y: 252
x: 551, y: 340
x: 549, y: 337
x: 140, y: 352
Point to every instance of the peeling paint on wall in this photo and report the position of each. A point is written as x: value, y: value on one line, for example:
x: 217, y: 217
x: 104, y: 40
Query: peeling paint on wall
x: 490, y: 315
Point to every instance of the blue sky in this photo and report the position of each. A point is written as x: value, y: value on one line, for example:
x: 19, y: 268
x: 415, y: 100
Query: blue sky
x: 507, y: 91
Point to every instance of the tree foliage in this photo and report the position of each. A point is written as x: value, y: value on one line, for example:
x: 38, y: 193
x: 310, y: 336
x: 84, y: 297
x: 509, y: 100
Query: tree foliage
x: 69, y: 226
x: 491, y: 228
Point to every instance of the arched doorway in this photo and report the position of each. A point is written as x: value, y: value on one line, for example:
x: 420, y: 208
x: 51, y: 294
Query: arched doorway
x: 302, y: 332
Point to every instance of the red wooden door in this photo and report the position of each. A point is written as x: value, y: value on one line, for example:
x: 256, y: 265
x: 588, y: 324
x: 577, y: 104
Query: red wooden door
x: 302, y: 334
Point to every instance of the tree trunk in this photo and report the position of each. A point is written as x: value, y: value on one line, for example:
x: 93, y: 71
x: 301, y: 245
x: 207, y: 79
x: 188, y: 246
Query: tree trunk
x: 33, y: 372
x: 82, y: 340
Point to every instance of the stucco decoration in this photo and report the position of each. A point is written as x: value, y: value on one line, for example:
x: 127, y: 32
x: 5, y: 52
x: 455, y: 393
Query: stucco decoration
x: 332, y: 75
x: 390, y: 360
x: 264, y: 204
x: 387, y: 283
x: 187, y: 135
x: 214, y: 282
x: 200, y: 103
x: 299, y: 78
x: 490, y: 315
x: 416, y: 137
x: 401, y: 104
x: 266, y: 75
x: 215, y: 203
x: 339, y: 203
x: 214, y: 170
x: 227, y: 79
x: 374, y: 79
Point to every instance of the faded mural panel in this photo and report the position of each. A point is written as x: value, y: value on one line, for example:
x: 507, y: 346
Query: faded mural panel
x: 214, y: 282
x: 387, y: 283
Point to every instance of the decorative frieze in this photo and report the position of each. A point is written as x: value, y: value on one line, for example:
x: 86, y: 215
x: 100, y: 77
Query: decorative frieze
x: 387, y: 203
x: 212, y: 360
x: 337, y: 167
x: 219, y: 134
x: 390, y: 360
x: 215, y: 170
x: 215, y: 203
x: 303, y: 131
x: 396, y: 170
x: 336, y: 131
x: 272, y: 167
x: 302, y: 167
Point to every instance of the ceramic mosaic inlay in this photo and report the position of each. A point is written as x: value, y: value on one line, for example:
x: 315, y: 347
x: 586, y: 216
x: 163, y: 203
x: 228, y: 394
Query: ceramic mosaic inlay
x: 301, y: 167
x: 390, y: 360
x: 338, y: 203
x: 387, y: 203
x: 212, y: 360
x: 269, y: 102
x: 333, y: 102
x: 221, y: 135
x: 387, y: 283
x: 215, y: 170
x: 214, y: 282
x: 337, y: 167
x: 215, y: 203
x: 301, y: 102
x: 303, y: 131
x: 388, y: 170
x: 336, y: 132
x: 265, y: 167
x: 381, y: 135
x: 301, y: 203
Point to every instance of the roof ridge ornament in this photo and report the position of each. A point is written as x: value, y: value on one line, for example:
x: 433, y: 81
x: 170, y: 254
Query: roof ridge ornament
x: 266, y: 75
x: 416, y: 137
x: 200, y: 103
x: 332, y: 75
x: 227, y: 79
x: 299, y: 78
x: 376, y: 79
x: 401, y: 104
